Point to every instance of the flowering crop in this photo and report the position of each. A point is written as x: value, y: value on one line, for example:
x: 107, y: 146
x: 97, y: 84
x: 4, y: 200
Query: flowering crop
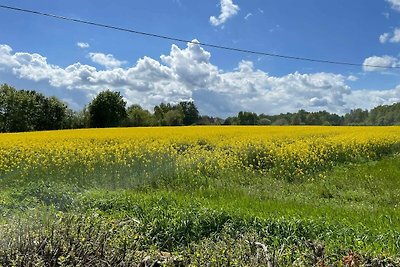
x: 286, y: 152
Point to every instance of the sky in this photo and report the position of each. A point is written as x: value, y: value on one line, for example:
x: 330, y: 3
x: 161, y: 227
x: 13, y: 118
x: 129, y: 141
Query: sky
x: 74, y: 62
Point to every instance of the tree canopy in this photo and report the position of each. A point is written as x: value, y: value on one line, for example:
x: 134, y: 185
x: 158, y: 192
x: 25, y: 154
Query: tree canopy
x: 107, y: 109
x: 24, y: 110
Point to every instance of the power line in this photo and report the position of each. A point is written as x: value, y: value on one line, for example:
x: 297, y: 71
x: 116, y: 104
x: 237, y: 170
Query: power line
x: 194, y: 42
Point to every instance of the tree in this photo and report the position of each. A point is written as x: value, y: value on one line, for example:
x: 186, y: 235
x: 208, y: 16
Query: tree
x: 281, y: 122
x: 51, y: 113
x: 207, y: 120
x: 107, y: 109
x: 184, y: 113
x: 264, y: 121
x: 313, y: 119
x: 160, y: 111
x: 77, y: 119
x: 174, y: 117
x: 137, y: 116
x: 190, y: 112
x: 22, y: 110
x: 231, y: 121
x: 247, y: 118
x: 356, y: 117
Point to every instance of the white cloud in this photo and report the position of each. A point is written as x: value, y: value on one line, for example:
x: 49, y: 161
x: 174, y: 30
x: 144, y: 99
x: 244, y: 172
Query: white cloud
x: 395, y: 4
x: 381, y: 62
x: 391, y: 37
x: 187, y: 73
x: 6, y: 57
x: 107, y: 61
x: 228, y: 10
x: 82, y: 45
x: 384, y: 37
x: 396, y: 36
x: 368, y: 99
x: 352, y: 78
x: 248, y: 16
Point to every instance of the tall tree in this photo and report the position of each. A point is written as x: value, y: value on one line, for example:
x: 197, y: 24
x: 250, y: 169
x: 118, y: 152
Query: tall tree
x: 137, y: 116
x: 107, y: 109
x: 356, y: 117
x: 247, y: 118
x: 160, y: 111
x: 174, y: 117
x: 190, y: 112
x: 22, y: 110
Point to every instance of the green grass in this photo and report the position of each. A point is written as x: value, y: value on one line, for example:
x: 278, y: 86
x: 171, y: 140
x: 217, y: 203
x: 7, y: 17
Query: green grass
x: 117, y: 215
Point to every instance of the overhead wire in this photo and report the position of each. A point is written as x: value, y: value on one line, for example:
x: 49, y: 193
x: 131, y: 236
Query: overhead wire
x: 175, y: 39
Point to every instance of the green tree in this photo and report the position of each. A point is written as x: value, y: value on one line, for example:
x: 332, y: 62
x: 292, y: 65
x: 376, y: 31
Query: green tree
x: 174, y: 117
x: 190, y: 112
x: 160, y: 111
x: 137, y: 116
x: 231, y: 121
x: 50, y: 113
x: 264, y: 121
x: 356, y: 117
x: 22, y: 110
x: 281, y: 122
x: 77, y: 119
x: 247, y: 118
x: 107, y: 109
x: 313, y: 119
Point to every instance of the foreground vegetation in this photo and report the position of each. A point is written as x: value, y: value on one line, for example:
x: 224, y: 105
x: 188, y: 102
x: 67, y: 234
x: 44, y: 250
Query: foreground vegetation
x: 275, y: 196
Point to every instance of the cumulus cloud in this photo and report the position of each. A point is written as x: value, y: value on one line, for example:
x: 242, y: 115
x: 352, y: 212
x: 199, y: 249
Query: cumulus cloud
x: 82, y: 45
x: 368, y: 99
x: 395, y: 4
x: 187, y: 73
x: 384, y: 37
x: 381, y: 62
x: 395, y: 36
x: 6, y: 57
x: 390, y: 37
x: 107, y: 61
x: 228, y: 10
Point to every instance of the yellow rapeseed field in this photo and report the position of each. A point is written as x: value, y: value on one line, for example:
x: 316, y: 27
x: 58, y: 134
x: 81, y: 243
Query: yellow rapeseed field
x: 282, y: 151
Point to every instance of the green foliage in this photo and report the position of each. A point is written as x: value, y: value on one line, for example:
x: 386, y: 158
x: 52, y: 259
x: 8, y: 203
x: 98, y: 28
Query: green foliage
x: 160, y: 111
x: 137, y: 116
x: 385, y: 115
x: 190, y: 112
x: 281, y: 122
x: 184, y: 113
x: 107, y: 109
x: 231, y: 121
x: 77, y: 119
x: 247, y: 118
x: 114, y: 217
x: 207, y: 120
x: 356, y: 117
x: 173, y: 118
x: 22, y: 110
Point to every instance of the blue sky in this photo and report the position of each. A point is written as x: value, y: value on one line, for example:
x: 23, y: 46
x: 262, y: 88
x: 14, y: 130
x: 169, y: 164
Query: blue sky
x: 74, y: 62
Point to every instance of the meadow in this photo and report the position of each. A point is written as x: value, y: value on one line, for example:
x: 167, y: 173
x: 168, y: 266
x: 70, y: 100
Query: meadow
x: 201, y: 196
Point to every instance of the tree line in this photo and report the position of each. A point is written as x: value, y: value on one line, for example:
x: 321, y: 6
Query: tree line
x: 28, y: 110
